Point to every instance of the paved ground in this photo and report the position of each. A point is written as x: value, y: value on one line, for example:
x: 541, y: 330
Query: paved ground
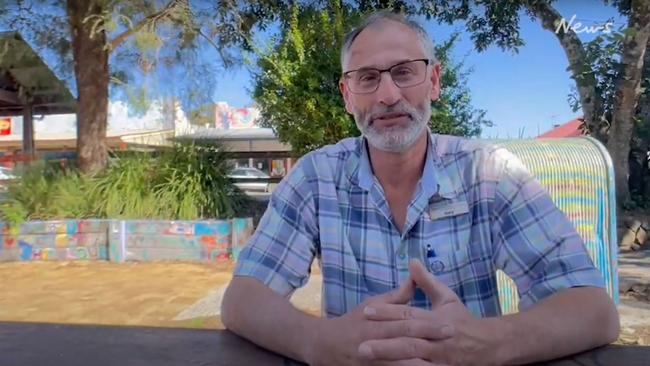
x: 107, y: 293
x: 634, y: 278
x: 189, y: 295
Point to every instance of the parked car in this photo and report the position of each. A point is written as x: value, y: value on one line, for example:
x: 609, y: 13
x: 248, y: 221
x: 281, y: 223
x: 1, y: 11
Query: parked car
x: 7, y: 174
x: 255, y: 176
x: 6, y: 177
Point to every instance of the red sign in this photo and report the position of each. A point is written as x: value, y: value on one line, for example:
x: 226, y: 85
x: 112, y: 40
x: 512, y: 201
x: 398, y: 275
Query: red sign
x: 5, y: 126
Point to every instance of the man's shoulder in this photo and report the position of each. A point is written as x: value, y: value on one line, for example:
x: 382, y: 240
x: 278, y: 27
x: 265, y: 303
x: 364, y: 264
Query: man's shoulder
x: 488, y: 159
x: 341, y: 150
x: 449, y: 146
x: 333, y: 155
x: 327, y: 162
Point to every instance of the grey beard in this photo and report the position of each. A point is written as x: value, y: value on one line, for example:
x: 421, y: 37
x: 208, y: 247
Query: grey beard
x: 396, y: 139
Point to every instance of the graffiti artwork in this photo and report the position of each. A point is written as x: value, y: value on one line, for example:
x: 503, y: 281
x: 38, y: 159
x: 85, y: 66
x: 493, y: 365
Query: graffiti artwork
x: 206, y: 241
x: 227, y: 117
x: 56, y: 240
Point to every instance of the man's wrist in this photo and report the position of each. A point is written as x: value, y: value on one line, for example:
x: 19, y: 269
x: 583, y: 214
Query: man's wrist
x: 312, y: 341
x: 500, y: 336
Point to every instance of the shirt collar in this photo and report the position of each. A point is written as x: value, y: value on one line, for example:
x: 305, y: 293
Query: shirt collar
x: 365, y: 175
x: 434, y: 177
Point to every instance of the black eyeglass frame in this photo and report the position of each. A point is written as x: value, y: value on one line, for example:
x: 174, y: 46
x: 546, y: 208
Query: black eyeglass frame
x: 346, y: 74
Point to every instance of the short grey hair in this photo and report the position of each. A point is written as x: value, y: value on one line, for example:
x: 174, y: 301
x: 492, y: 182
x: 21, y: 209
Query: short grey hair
x: 386, y: 15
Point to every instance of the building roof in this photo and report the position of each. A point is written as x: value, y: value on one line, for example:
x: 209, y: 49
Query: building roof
x: 230, y: 134
x: 569, y: 129
x: 67, y: 141
x: 240, y: 140
x: 23, y: 73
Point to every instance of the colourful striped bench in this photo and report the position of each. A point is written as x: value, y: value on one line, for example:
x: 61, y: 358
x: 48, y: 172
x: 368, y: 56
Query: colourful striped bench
x: 579, y: 176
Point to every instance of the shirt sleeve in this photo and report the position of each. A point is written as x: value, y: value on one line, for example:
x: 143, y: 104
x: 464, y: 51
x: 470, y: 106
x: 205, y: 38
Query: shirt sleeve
x: 280, y: 252
x: 534, y: 242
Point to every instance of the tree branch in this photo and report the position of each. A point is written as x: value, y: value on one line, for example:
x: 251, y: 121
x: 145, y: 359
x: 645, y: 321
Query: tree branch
x: 628, y: 86
x: 573, y: 48
x: 220, y: 50
x: 632, y: 57
x: 644, y: 100
x: 169, y: 8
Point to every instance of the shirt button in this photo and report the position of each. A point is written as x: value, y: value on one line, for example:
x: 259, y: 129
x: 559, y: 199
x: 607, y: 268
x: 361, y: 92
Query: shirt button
x: 402, y: 256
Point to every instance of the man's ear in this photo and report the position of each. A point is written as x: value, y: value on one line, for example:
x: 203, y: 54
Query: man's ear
x: 436, y: 71
x: 346, y: 95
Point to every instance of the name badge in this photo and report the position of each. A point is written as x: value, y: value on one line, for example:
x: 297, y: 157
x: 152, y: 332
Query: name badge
x: 448, y: 209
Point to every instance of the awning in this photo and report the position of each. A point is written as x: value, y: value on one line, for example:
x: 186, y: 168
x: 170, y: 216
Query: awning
x: 25, y: 78
x: 28, y: 86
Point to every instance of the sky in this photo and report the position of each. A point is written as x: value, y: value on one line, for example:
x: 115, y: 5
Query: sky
x: 524, y: 94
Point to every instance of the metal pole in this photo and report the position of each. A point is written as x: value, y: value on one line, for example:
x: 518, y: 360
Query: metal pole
x: 28, y: 130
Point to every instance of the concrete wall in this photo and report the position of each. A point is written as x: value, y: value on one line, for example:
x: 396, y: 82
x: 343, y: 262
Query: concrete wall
x: 55, y: 240
x: 119, y: 241
x: 242, y: 231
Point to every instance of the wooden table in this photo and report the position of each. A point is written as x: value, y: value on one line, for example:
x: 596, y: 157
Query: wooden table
x: 29, y: 344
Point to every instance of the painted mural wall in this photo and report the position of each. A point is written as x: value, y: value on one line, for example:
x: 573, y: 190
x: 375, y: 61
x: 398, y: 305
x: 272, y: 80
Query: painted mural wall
x: 120, y: 241
x: 242, y: 231
x: 227, y: 117
x: 55, y: 240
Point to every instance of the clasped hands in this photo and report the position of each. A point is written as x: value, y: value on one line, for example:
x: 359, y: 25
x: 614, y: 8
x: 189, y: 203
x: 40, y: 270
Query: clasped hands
x: 385, y: 330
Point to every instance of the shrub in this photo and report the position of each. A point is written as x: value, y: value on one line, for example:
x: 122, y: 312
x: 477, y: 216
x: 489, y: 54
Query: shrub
x: 188, y: 181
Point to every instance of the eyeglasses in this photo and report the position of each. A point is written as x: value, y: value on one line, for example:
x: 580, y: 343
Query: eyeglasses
x: 404, y: 74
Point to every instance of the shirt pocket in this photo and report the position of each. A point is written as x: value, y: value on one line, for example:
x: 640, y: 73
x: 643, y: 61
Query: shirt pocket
x: 445, y: 245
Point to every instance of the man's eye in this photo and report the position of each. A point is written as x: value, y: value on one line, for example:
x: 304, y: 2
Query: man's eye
x: 403, y: 71
x: 367, y: 77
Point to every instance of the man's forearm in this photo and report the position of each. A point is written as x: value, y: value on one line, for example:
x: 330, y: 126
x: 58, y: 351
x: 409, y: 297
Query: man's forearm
x: 255, y: 312
x: 568, y: 322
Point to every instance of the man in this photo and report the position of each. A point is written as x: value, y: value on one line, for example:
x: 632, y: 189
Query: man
x: 409, y: 228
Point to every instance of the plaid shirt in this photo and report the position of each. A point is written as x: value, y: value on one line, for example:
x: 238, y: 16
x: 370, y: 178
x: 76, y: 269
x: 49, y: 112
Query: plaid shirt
x: 477, y: 209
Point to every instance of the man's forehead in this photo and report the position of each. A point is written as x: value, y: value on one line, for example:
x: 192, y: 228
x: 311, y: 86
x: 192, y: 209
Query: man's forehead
x: 383, y: 44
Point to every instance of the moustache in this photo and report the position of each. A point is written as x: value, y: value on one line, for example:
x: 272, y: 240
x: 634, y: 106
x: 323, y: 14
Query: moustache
x: 392, y: 111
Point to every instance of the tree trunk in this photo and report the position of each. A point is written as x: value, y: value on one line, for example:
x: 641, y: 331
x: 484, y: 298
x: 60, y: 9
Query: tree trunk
x: 644, y: 101
x: 585, y: 79
x: 619, y: 132
x: 91, y: 72
x: 643, y: 113
x: 628, y: 91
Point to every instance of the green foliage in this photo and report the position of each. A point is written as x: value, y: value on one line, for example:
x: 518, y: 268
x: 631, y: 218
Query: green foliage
x: 602, y: 59
x: 158, y: 48
x: 202, y: 168
x: 148, y: 41
x: 45, y: 192
x: 491, y: 22
x: 126, y: 189
x: 187, y: 182
x: 296, y: 83
x: 453, y: 113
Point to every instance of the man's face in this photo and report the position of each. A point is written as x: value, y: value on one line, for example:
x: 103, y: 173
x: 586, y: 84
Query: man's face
x: 391, y: 118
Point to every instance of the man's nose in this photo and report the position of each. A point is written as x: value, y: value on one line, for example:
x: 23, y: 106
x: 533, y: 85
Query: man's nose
x: 387, y: 92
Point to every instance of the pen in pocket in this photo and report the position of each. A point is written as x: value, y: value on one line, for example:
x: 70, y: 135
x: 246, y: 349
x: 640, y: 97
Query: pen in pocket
x: 430, y: 254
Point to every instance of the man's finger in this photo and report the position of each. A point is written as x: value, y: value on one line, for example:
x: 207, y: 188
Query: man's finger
x: 434, y: 329
x: 395, y: 349
x: 400, y: 295
x: 410, y: 362
x: 437, y: 292
x: 380, y: 311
